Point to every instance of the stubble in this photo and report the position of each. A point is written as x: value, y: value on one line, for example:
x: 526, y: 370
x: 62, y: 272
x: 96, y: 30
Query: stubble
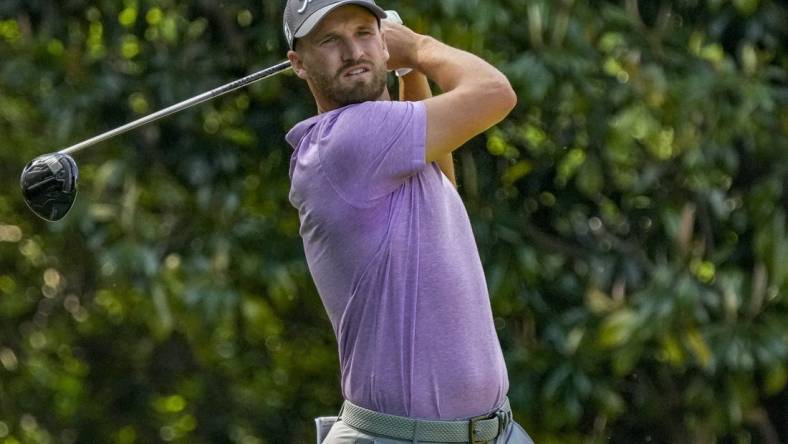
x: 332, y: 87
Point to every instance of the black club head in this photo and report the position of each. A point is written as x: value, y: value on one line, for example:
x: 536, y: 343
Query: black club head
x: 49, y: 184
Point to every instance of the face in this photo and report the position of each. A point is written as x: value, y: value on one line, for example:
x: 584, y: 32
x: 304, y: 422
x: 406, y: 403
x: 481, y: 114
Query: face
x: 343, y: 59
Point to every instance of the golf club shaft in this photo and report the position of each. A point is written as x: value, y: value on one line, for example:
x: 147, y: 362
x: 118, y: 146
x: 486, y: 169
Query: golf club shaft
x: 264, y: 74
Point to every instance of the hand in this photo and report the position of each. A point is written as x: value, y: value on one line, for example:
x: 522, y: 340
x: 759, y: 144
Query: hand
x: 402, y: 43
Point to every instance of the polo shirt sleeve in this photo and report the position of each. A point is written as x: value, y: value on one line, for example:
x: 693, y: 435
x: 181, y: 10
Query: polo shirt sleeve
x: 369, y: 150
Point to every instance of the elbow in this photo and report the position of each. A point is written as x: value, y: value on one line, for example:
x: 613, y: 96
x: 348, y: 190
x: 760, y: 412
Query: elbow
x: 505, y: 96
x: 508, y: 96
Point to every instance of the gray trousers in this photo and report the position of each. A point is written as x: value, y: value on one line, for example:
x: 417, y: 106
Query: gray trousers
x: 342, y: 433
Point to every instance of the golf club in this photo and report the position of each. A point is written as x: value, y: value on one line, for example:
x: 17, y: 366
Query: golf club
x: 49, y: 182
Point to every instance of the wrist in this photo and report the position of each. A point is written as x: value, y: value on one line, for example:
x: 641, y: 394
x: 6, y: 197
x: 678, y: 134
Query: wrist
x: 422, y: 47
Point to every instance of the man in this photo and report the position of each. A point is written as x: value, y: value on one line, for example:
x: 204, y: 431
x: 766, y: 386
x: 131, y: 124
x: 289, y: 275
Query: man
x: 387, y: 238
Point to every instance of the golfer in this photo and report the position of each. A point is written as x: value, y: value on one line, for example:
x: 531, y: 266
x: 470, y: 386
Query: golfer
x: 387, y: 237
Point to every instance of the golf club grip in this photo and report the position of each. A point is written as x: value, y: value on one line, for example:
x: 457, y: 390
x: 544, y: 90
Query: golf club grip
x: 240, y: 83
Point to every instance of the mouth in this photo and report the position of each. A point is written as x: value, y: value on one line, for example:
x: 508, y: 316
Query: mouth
x: 356, y: 71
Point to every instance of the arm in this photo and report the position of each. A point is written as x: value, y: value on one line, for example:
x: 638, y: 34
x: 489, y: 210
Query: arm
x: 476, y: 95
x: 414, y: 87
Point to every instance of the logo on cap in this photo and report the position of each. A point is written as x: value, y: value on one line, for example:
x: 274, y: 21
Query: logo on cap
x: 288, y: 33
x: 303, y: 7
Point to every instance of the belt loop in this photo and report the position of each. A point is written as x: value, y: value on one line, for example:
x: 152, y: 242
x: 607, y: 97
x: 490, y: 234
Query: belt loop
x: 505, y: 417
x: 472, y: 431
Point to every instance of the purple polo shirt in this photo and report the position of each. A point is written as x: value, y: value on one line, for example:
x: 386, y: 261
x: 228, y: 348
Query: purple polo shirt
x: 391, y: 251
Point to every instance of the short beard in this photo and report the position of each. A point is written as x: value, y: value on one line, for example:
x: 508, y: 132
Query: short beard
x: 330, y: 87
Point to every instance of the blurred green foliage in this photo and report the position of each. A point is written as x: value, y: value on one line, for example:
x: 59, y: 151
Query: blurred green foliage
x: 631, y: 215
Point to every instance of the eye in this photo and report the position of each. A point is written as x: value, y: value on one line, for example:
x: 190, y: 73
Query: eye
x: 328, y: 40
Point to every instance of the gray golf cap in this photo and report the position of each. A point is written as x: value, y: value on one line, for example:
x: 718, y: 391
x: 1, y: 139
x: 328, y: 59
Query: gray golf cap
x: 301, y: 16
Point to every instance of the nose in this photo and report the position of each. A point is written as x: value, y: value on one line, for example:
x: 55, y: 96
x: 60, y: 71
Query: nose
x: 352, y: 50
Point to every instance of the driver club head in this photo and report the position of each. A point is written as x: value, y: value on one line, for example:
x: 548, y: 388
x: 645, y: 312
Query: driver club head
x: 49, y: 185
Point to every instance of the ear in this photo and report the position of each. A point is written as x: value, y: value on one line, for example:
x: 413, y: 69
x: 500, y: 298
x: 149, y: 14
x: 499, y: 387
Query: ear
x: 385, y: 46
x: 298, y: 64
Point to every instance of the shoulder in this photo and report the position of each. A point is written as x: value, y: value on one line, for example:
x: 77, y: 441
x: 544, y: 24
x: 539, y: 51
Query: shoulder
x: 357, y: 117
x: 376, y: 111
x: 375, y: 119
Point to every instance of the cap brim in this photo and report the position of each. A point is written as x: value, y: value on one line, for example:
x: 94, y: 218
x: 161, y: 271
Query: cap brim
x: 314, y: 19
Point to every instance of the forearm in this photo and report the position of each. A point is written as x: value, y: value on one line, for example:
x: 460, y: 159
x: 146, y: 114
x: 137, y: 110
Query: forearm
x: 475, y: 95
x: 454, y: 69
x: 415, y: 87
